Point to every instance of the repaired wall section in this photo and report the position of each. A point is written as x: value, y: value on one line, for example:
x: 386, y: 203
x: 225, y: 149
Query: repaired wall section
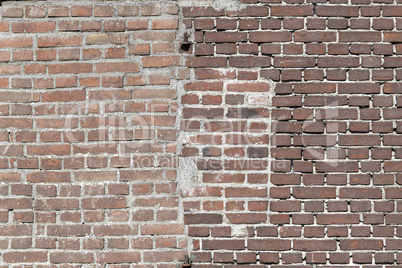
x: 270, y: 138
x: 89, y: 112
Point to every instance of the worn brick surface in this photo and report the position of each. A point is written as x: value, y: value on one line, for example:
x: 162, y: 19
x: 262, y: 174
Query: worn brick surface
x: 272, y: 138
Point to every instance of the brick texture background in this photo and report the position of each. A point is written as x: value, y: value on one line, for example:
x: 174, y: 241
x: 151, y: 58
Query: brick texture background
x: 287, y: 112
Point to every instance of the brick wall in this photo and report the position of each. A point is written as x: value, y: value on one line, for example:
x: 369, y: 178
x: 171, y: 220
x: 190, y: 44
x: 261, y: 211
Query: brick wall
x: 272, y: 138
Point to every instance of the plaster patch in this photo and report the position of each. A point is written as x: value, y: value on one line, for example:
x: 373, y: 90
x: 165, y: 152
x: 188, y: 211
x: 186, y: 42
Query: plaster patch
x: 187, y: 174
x: 239, y: 231
x: 228, y: 5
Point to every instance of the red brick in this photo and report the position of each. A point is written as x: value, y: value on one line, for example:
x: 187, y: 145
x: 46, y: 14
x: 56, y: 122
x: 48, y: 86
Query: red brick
x: 356, y: 140
x: 104, y: 11
x: 16, y: 257
x: 292, y: 10
x: 118, y: 257
x: 249, y: 87
x: 314, y: 193
x: 223, y: 37
x: 331, y: 62
x: 14, y: 42
x: 21, y: 83
x: 127, y: 10
x: 33, y: 27
x: 115, y: 230
x: 165, y: 24
x: 107, y: 38
x: 206, y: 62
x: 114, y: 26
x: 93, y: 25
x: 314, y: 36
x: 273, y: 24
x: 314, y: 245
x: 361, y: 244
x: 95, y: 176
x: 393, y: 37
x: 74, y: 68
x: 269, y: 244
x: 202, y: 219
x: 359, y: 36
x: 58, y: 11
x: 48, y: 176
x: 15, y: 122
x: 294, y: 62
x: 164, y: 256
x: 4, y: 56
x: 221, y: 24
x: 337, y: 11
x: 250, y: 11
x: 266, y: 257
x: 160, y: 61
x: 13, y: 12
x: 139, y: 49
x: 357, y: 193
x: 337, y: 23
x: 116, y: 67
x: 171, y: 9
x: 138, y: 24
x: 109, y: 202
x: 55, y: 41
x: 393, y: 166
x: 81, y: 11
x: 269, y: 36
x: 250, y: 61
x: 314, y: 88
x: 245, y: 192
x: 66, y: 25
x: 391, y: 11
x: 204, y: 86
x: 285, y: 206
x: 226, y: 48
x: 202, y: 12
x: 150, y: 10
x: 162, y: 229
x: 336, y: 166
x: 65, y: 257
